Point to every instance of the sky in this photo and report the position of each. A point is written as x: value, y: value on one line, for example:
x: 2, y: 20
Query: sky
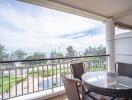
x: 34, y: 28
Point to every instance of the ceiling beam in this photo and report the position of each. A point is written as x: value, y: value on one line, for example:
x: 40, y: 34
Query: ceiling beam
x: 123, y: 14
x: 61, y: 7
x: 122, y: 25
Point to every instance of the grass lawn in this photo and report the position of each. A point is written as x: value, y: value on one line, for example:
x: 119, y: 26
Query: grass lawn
x: 53, y: 71
x: 50, y: 72
x: 6, y: 82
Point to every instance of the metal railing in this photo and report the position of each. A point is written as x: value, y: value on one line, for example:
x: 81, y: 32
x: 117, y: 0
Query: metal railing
x: 20, y: 77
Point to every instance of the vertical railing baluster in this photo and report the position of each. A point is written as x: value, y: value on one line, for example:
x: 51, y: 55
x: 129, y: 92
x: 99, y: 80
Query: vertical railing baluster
x: 107, y: 58
x: 91, y: 67
x: 100, y: 65
x: 64, y: 69
x: 96, y: 67
x: 56, y: 75
x: 16, y: 80
x: 96, y: 63
x: 9, y: 84
x: 60, y: 74
x: 52, y: 79
x: 2, y: 84
x: 104, y: 64
x: 47, y: 78
x: 38, y: 75
x: 43, y: 76
x: 22, y: 79
x: 33, y: 77
x: 87, y: 66
x: 88, y: 69
x: 27, y: 78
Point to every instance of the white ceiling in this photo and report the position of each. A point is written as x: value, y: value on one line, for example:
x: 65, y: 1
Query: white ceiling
x: 106, y: 8
x: 120, y: 10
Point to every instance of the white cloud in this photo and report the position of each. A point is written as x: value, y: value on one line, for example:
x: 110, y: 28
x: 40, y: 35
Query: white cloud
x: 40, y: 29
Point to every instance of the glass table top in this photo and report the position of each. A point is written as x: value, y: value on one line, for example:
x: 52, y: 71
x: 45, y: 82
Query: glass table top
x: 107, y: 80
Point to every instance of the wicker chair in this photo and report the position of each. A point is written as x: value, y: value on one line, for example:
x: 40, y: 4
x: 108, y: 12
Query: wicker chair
x: 123, y: 69
x: 77, y: 70
x: 72, y: 90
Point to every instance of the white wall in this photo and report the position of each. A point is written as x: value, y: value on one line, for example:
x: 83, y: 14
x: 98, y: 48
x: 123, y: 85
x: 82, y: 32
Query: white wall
x: 123, y: 47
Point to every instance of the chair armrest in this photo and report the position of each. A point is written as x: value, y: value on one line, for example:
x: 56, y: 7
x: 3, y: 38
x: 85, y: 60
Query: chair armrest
x: 80, y: 86
x: 77, y: 80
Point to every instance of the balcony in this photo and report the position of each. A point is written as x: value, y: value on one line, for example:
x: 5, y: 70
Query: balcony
x: 41, y: 77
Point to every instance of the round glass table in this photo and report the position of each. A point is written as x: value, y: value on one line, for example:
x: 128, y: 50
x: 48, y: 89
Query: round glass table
x: 109, y: 84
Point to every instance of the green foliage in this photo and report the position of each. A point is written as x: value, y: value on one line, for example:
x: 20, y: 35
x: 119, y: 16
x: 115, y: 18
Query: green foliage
x: 95, y: 50
x: 18, y: 54
x: 36, y: 55
x: 55, y: 54
x: 3, y: 54
x: 70, y: 52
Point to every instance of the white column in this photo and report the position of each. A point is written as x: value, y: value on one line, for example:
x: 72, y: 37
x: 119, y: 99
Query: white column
x: 110, y: 44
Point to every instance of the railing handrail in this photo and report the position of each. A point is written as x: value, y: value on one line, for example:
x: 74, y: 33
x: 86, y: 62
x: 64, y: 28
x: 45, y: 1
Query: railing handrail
x: 27, y: 60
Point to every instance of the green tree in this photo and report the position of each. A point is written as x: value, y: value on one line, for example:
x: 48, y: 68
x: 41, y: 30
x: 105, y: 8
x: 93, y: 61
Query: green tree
x: 36, y: 55
x: 70, y: 52
x: 18, y: 54
x: 55, y: 54
x: 89, y: 51
x: 3, y: 54
x: 101, y: 50
x: 95, y: 50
